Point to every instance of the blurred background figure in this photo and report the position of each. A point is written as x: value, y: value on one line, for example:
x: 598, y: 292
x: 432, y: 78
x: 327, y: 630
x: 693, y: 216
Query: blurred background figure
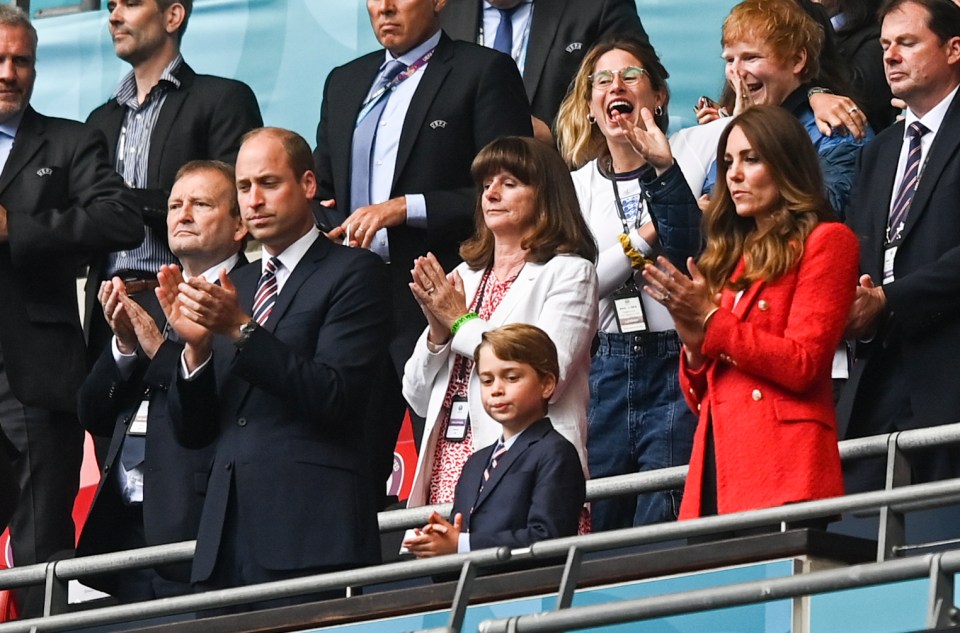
x: 637, y: 204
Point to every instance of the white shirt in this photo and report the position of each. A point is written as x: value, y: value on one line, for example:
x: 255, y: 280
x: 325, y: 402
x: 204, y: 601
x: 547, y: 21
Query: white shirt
x: 932, y: 120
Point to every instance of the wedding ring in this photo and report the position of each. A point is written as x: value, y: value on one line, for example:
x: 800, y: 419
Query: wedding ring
x: 852, y: 110
x: 665, y: 296
x: 431, y: 291
x: 360, y: 230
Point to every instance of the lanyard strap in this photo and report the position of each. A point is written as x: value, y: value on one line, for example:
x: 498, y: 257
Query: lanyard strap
x: 373, y: 99
x: 640, y: 206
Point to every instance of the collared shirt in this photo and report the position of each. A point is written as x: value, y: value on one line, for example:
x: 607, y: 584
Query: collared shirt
x: 8, y: 132
x: 932, y: 120
x: 133, y: 155
x: 522, y: 18
x: 387, y: 142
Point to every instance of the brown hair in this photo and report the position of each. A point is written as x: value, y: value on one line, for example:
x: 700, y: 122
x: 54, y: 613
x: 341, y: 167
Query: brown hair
x: 579, y: 140
x: 782, y: 24
x: 13, y: 16
x: 559, y: 226
x: 298, y: 152
x: 943, y: 16
x: 187, y: 5
x: 784, y: 146
x: 522, y: 343
x: 221, y: 168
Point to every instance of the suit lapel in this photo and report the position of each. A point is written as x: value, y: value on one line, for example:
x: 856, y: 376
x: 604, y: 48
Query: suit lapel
x: 172, y: 104
x: 430, y: 84
x: 528, y: 438
x: 944, y: 146
x: 883, y: 173
x: 742, y: 306
x: 306, y: 267
x: 543, y: 31
x: 30, y: 138
x: 343, y: 118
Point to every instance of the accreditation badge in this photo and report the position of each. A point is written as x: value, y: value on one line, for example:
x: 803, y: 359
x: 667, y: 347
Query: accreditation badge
x: 628, y: 307
x: 459, y: 419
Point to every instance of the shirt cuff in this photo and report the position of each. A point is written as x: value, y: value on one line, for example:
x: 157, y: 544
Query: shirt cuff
x: 190, y: 375
x: 124, y: 362
x: 641, y: 245
x: 463, y: 543
x: 416, y: 210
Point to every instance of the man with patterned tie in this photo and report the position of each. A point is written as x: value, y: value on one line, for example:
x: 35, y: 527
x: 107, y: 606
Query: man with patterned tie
x: 546, y: 38
x: 906, y: 318
x: 152, y: 489
x: 279, y: 391
x: 398, y: 130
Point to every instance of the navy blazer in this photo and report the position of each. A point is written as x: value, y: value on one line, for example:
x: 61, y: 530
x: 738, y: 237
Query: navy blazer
x: 561, y: 33
x: 283, y: 410
x: 923, y: 316
x: 536, y: 492
x: 174, y: 479
x: 64, y: 202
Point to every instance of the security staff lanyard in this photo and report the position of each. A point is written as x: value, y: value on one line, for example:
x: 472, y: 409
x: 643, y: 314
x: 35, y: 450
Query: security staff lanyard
x: 373, y: 99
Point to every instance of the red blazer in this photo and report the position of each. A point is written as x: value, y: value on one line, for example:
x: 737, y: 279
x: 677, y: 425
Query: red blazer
x: 766, y: 387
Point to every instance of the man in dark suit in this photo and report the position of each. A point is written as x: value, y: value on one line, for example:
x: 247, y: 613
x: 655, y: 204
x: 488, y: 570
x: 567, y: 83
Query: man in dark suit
x: 161, y: 116
x: 288, y: 494
x: 393, y: 156
x: 60, y: 201
x: 546, y: 38
x: 152, y: 489
x: 907, y: 313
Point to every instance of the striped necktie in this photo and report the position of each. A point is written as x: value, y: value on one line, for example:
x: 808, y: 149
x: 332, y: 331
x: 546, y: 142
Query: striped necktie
x: 908, y: 186
x: 266, y: 291
x: 497, y: 454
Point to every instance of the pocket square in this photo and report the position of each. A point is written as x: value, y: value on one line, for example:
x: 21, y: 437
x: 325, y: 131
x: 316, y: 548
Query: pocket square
x: 44, y: 171
x: 576, y: 46
x: 438, y: 123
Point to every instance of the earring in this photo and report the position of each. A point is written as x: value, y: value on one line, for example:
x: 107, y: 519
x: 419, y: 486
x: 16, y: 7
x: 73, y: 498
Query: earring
x: 591, y: 119
x: 658, y: 110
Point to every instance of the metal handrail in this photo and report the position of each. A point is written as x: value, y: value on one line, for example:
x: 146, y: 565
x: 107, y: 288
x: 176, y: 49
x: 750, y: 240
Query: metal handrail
x: 663, y: 479
x: 932, y: 493
x: 751, y: 592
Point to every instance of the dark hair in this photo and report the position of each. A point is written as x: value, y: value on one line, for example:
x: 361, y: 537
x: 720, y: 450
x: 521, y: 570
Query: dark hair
x: 222, y: 168
x: 943, y: 16
x: 298, y: 152
x: 858, y: 14
x: 559, y: 226
x: 187, y: 5
x: 522, y: 343
x: 579, y: 140
x: 783, y: 145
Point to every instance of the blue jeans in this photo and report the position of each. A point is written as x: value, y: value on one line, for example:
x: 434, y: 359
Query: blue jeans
x: 638, y: 421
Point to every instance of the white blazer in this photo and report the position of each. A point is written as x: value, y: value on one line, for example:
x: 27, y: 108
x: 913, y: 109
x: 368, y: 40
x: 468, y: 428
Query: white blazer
x: 560, y: 297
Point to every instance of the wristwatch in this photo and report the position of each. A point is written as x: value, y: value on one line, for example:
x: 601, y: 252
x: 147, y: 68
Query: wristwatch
x: 246, y: 331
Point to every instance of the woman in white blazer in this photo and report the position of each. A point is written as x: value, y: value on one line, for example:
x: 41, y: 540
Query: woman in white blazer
x: 530, y: 261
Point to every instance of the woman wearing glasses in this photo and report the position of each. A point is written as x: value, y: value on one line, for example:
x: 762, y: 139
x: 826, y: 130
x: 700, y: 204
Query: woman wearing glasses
x: 637, y: 204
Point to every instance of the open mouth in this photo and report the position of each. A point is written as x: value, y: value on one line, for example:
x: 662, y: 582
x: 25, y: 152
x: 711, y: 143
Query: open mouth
x: 619, y: 105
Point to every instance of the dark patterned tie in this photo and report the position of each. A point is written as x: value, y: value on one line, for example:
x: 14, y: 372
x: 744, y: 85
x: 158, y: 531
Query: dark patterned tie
x: 266, y: 291
x: 908, y: 186
x: 497, y: 454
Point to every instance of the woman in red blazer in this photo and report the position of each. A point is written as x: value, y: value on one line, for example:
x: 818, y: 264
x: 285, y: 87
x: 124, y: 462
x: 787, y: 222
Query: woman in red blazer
x: 760, y: 317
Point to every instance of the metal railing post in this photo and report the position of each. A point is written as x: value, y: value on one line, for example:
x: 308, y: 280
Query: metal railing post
x: 892, y: 530
x: 571, y: 575
x: 941, y: 611
x: 461, y: 599
x: 54, y: 592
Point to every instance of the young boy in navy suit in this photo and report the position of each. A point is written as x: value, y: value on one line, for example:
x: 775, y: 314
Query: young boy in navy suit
x: 528, y: 486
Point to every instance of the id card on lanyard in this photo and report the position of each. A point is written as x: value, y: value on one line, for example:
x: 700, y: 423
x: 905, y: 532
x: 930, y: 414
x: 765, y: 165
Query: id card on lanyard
x: 627, y: 300
x: 373, y: 99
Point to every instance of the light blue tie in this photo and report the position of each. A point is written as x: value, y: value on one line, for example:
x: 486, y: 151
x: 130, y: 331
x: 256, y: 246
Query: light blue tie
x: 364, y: 136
